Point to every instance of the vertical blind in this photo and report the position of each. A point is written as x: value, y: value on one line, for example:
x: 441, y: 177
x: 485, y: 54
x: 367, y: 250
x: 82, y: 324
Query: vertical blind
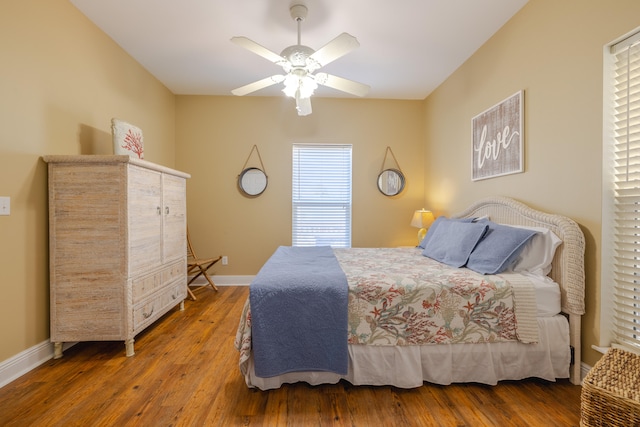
x: 626, y: 175
x: 321, y: 195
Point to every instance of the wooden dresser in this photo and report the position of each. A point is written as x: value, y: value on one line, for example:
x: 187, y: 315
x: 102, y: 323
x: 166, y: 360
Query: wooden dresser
x: 117, y: 246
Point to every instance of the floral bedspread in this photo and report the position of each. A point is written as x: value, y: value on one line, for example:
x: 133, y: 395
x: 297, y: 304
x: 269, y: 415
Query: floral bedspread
x: 399, y: 297
x: 243, y: 337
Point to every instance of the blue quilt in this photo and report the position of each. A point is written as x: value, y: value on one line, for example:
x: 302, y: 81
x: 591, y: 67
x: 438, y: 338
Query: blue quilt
x: 299, y: 314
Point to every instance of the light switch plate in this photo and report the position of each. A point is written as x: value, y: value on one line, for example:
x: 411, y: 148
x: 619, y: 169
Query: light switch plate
x: 5, y: 205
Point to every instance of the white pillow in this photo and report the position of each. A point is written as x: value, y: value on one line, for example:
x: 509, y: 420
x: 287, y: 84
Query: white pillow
x: 538, y: 253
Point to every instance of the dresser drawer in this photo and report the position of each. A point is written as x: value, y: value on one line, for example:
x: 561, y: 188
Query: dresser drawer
x: 145, y: 285
x: 157, y: 304
x: 175, y: 293
x: 174, y: 271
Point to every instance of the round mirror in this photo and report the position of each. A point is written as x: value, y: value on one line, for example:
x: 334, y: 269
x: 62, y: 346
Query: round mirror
x: 252, y: 181
x: 390, y: 182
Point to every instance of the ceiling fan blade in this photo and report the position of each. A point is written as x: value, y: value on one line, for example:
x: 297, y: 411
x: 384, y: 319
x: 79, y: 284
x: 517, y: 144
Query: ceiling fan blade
x: 260, y: 84
x: 344, y: 85
x: 257, y: 49
x: 335, y: 49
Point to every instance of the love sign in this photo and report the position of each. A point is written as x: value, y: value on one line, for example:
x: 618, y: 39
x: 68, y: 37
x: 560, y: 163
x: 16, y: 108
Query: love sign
x: 497, y: 140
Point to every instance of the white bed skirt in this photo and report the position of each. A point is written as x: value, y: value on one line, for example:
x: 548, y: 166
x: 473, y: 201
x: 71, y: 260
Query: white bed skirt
x: 409, y: 366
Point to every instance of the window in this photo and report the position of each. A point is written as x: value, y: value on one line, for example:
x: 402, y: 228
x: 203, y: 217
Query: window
x: 321, y: 195
x: 621, y: 224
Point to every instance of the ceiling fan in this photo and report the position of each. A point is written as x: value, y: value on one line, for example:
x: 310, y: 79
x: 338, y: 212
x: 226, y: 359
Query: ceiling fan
x: 300, y: 64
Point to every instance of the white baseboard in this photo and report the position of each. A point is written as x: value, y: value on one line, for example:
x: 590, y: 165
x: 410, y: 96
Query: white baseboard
x: 584, y: 370
x: 29, y: 359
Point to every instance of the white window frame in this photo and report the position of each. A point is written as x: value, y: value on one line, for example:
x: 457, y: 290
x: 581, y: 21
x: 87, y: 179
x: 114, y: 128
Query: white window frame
x: 321, y: 213
x: 609, y: 298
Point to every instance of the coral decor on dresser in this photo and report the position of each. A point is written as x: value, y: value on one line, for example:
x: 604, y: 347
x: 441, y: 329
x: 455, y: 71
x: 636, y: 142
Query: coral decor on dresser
x: 127, y: 139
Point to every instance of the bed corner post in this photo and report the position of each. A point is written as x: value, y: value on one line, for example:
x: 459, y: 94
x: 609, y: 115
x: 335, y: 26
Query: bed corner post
x: 575, y: 374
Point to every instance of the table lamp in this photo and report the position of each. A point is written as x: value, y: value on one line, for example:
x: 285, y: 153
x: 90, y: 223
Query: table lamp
x: 422, y: 219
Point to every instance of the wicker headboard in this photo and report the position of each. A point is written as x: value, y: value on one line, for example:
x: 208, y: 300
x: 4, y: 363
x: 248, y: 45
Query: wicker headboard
x: 568, y: 263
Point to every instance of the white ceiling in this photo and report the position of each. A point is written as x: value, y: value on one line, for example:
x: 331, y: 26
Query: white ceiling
x: 407, y: 47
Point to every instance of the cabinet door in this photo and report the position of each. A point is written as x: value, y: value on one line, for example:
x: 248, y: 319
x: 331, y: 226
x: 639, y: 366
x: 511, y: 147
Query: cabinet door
x: 174, y: 218
x: 145, y: 220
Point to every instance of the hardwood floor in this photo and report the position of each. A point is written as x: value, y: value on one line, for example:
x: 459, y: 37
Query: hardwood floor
x: 185, y: 373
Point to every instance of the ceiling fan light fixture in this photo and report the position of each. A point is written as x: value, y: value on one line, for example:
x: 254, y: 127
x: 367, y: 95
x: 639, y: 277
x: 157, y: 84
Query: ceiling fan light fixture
x: 291, y: 84
x: 299, y: 86
x: 307, y: 87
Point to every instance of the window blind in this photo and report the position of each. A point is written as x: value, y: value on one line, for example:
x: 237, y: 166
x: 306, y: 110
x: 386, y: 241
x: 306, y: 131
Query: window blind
x: 626, y: 175
x: 321, y: 195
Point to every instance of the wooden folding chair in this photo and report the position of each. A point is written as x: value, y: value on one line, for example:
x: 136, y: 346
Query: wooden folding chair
x: 198, y: 267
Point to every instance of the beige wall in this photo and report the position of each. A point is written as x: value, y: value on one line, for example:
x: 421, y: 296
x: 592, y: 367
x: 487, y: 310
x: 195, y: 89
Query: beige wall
x: 553, y: 50
x: 61, y: 82
x: 215, y: 136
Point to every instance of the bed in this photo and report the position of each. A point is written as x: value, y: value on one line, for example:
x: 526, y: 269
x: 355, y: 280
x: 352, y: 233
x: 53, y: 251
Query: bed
x: 392, y: 330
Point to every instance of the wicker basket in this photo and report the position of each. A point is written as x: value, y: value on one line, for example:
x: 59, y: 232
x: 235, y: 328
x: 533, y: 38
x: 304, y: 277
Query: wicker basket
x: 611, y: 391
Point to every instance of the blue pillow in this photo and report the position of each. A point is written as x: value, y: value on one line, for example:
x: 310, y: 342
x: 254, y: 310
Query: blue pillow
x: 499, y: 248
x: 452, y: 241
x: 435, y: 225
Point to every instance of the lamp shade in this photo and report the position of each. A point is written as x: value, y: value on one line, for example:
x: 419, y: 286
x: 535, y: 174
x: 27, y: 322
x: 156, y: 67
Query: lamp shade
x: 422, y: 219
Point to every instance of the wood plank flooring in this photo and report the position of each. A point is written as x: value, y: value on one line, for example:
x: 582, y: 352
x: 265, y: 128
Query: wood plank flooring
x: 185, y: 373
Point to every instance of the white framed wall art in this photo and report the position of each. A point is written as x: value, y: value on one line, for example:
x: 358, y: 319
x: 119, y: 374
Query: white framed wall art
x: 498, y: 139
